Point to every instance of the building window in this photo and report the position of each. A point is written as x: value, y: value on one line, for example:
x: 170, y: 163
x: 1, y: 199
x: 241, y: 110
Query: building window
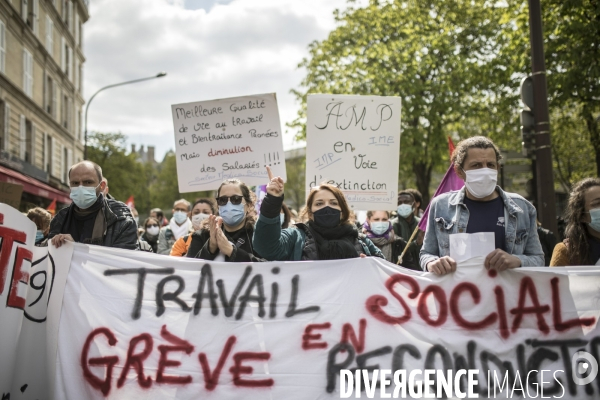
x: 27, y: 73
x: 29, y: 142
x: 77, y: 29
x: 33, y: 16
x: 49, y: 35
x: 4, y: 132
x: 63, y: 164
x: 2, y: 47
x: 49, y: 155
x: 49, y: 97
x: 66, y: 114
x: 6, y: 128
x: 24, y: 10
x: 22, y: 136
x: 70, y: 16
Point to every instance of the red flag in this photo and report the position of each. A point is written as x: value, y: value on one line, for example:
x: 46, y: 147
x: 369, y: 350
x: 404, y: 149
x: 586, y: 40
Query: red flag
x: 52, y: 207
x: 130, y: 203
x: 450, y: 146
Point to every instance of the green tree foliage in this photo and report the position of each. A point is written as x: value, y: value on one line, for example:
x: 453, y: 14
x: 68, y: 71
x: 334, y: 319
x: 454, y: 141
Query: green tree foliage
x: 165, y: 188
x: 126, y: 175
x: 572, y: 57
x: 295, y: 186
x: 437, y: 56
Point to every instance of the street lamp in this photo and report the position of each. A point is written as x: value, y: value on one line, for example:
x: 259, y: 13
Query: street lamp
x: 159, y: 75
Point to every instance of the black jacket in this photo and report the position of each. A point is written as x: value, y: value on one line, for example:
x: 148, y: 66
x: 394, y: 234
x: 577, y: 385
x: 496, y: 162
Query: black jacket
x: 242, y: 246
x: 121, y: 229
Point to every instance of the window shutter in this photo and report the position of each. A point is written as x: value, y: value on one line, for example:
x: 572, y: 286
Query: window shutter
x: 62, y: 163
x: 51, y: 161
x: 70, y: 63
x: 24, y: 10
x: 70, y: 23
x: 77, y: 38
x: 54, y: 102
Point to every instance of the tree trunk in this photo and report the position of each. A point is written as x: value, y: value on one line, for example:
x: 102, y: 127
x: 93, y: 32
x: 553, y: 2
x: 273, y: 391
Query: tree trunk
x: 422, y: 172
x: 594, y: 131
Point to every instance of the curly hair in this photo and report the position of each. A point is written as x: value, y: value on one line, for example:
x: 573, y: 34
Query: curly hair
x: 476, y: 142
x: 576, y: 230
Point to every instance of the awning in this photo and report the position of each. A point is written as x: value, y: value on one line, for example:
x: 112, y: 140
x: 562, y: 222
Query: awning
x: 33, y: 186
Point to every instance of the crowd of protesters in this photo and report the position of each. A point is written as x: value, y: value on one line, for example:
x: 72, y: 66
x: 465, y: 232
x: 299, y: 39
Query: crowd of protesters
x: 233, y: 228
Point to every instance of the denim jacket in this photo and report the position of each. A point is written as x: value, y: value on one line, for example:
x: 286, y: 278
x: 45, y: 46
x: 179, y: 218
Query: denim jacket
x: 448, y: 214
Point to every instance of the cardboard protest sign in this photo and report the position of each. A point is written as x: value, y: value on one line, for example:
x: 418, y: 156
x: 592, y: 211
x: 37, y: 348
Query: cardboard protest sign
x: 354, y: 143
x: 10, y: 193
x: 227, y: 138
x: 127, y: 324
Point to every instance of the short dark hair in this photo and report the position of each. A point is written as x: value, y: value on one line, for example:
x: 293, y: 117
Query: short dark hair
x: 416, y: 195
x: 405, y: 193
x: 476, y: 142
x: 96, y: 167
x: 159, y: 214
x: 209, y: 202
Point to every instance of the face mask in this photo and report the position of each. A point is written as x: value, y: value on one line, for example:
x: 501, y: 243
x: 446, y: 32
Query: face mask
x: 39, y: 235
x: 281, y: 219
x: 232, y: 214
x: 197, y: 220
x: 595, y: 215
x: 153, y: 230
x: 179, y: 217
x: 137, y: 220
x: 481, y: 182
x: 380, y: 227
x: 327, y: 217
x: 83, y: 196
x: 404, y: 210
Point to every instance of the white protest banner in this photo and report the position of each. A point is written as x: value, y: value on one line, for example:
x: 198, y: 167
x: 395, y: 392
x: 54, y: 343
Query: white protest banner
x: 140, y: 325
x: 227, y: 138
x: 353, y: 142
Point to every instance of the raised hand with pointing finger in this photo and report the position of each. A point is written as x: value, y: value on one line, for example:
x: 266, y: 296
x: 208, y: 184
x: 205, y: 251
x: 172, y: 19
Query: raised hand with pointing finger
x: 275, y: 185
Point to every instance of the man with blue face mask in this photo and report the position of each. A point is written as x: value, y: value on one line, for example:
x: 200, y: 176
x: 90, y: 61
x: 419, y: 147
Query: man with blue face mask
x: 481, y: 206
x: 406, y: 221
x: 180, y: 225
x: 92, y: 218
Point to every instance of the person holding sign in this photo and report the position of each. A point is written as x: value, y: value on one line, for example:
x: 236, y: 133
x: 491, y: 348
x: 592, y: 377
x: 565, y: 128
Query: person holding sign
x: 228, y: 237
x: 328, y: 234
x: 582, y: 234
x: 481, y: 206
x: 378, y: 228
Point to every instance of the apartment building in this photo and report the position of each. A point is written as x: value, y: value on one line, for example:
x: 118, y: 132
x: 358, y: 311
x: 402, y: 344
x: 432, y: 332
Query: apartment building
x: 41, y: 95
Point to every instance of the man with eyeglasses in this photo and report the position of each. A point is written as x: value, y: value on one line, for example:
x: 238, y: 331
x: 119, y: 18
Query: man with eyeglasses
x: 92, y: 218
x: 481, y: 206
x: 406, y: 222
x: 180, y: 225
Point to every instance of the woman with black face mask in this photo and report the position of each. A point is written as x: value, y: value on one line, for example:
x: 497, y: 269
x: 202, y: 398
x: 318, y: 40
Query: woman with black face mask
x: 327, y: 234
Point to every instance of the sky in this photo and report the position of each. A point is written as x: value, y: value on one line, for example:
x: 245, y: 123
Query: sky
x: 210, y: 49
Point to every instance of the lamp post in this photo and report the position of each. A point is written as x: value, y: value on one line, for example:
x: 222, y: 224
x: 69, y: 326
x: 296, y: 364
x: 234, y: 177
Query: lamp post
x: 159, y: 75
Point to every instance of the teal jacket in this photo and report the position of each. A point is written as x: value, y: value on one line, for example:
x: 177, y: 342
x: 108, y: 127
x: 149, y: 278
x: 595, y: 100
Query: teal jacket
x: 276, y: 244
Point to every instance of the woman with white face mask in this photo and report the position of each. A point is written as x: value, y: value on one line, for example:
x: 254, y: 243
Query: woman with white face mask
x: 228, y: 237
x: 151, y: 230
x: 582, y: 234
x: 378, y: 228
x: 201, y: 210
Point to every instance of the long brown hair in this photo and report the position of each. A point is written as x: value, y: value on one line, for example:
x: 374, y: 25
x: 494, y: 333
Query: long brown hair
x: 307, y: 214
x: 576, y: 230
x: 249, y: 198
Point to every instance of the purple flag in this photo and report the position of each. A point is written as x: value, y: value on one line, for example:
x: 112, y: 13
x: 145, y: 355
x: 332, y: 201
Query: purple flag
x: 450, y: 182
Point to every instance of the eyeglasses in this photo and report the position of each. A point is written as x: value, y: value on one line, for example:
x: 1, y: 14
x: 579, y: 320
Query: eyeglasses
x: 235, y: 200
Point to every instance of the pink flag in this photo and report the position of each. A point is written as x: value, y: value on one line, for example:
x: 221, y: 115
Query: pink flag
x: 450, y: 182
